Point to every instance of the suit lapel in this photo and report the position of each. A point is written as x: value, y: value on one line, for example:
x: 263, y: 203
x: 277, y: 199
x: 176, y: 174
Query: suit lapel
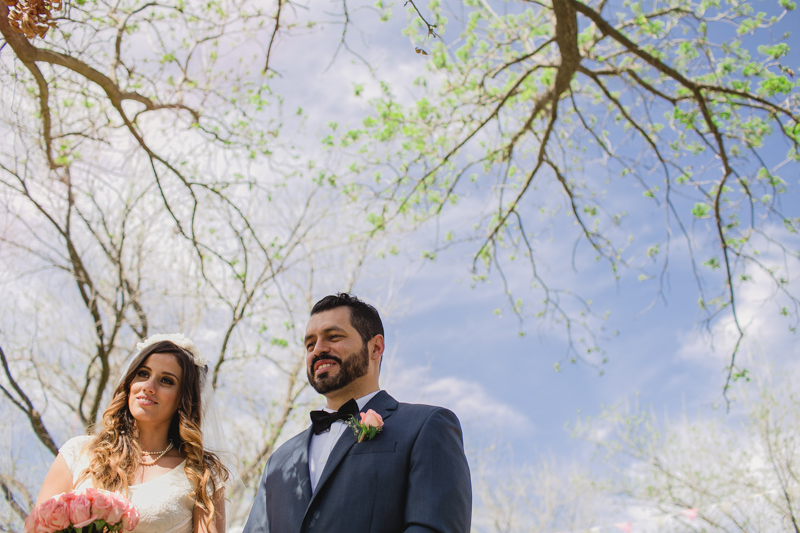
x: 384, y: 405
x: 338, y: 452
x: 300, y: 462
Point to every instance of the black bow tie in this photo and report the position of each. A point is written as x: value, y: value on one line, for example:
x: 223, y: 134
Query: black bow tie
x: 321, y: 420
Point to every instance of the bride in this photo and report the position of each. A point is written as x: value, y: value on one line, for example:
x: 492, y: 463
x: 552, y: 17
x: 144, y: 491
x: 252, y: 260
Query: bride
x: 151, y: 444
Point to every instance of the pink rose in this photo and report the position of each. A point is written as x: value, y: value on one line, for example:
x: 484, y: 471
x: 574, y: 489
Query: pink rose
x: 130, y: 518
x: 121, y: 502
x: 32, y: 522
x: 80, y: 511
x: 371, y: 419
x: 106, y: 507
x: 119, y: 497
x: 53, y: 514
x: 120, y: 507
x: 67, y: 497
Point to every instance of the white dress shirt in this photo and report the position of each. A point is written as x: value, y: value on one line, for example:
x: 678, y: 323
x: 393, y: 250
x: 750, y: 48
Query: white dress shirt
x: 321, y: 445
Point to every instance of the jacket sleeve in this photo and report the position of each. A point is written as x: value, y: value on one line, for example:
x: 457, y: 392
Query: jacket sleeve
x: 258, y: 520
x: 439, y: 488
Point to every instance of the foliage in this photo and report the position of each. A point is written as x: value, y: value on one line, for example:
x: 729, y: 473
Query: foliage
x: 539, y: 497
x: 146, y: 187
x: 742, y: 478
x: 148, y: 182
x: 552, y: 113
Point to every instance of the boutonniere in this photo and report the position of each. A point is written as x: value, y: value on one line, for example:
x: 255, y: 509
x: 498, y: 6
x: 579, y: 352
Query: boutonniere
x: 370, y: 425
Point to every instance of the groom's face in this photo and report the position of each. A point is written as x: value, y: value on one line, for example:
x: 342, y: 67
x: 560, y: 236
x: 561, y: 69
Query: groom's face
x: 335, y: 354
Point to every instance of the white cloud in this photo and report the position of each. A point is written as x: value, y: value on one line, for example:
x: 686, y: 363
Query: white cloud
x: 758, y: 309
x: 469, y: 400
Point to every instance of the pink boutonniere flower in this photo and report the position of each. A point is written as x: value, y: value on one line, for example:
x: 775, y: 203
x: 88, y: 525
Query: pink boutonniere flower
x: 370, y: 425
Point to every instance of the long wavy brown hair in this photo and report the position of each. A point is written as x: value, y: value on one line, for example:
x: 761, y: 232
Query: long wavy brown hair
x: 115, y: 452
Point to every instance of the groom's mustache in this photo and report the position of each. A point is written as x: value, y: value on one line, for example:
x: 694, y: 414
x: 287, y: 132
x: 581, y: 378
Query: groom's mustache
x: 320, y: 357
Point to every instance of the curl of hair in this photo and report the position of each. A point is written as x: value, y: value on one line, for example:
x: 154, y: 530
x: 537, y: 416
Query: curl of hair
x: 114, y: 450
x: 203, y: 468
x: 115, y: 454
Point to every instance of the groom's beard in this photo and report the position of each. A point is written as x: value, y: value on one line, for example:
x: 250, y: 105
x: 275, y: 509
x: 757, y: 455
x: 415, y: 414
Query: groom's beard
x: 353, y: 367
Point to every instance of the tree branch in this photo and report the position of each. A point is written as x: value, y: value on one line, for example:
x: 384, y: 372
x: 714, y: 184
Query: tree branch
x: 24, y: 404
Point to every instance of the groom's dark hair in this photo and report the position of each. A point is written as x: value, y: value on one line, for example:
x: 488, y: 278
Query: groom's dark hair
x: 363, y: 317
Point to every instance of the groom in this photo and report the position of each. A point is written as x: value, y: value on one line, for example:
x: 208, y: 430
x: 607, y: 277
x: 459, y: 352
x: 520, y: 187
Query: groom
x: 412, y: 476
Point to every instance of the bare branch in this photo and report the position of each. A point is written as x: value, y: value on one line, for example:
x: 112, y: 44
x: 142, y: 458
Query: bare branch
x: 24, y: 404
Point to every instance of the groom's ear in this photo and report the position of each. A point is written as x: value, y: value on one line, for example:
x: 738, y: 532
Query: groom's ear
x: 376, y: 346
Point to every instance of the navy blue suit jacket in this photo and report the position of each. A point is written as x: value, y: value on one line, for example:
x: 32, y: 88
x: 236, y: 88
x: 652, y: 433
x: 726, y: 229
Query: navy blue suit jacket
x: 412, y: 477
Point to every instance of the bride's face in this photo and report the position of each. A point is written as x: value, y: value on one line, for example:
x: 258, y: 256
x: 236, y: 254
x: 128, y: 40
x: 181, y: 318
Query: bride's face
x: 156, y: 389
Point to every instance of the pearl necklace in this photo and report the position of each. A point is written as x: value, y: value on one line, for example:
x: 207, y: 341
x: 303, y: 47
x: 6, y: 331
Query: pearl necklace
x: 155, y: 456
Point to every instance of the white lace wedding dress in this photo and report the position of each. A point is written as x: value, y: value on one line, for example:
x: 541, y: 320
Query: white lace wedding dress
x: 164, y: 504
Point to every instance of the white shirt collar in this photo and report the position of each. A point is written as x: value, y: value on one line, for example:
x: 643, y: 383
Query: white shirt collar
x: 364, y: 400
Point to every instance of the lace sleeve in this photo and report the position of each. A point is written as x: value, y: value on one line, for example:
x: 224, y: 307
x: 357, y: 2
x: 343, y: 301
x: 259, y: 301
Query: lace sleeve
x: 72, y: 451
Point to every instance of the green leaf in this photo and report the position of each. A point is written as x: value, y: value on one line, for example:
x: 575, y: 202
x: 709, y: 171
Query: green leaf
x: 775, y: 85
x: 775, y: 52
x: 701, y: 210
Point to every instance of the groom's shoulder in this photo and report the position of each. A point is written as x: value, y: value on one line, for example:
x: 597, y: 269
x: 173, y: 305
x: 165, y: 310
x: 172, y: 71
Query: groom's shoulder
x: 430, y: 421
x: 410, y: 409
x: 421, y: 411
x: 287, y: 448
x: 418, y: 407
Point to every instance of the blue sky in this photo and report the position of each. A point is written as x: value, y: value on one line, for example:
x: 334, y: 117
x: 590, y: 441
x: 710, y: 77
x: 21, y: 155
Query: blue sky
x: 455, y: 340
x: 446, y: 345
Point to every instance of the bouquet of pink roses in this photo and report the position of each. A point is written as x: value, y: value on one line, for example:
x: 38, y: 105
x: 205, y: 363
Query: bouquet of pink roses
x: 86, y: 511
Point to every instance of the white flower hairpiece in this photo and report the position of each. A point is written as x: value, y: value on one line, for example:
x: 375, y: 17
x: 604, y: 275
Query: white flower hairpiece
x: 178, y: 340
